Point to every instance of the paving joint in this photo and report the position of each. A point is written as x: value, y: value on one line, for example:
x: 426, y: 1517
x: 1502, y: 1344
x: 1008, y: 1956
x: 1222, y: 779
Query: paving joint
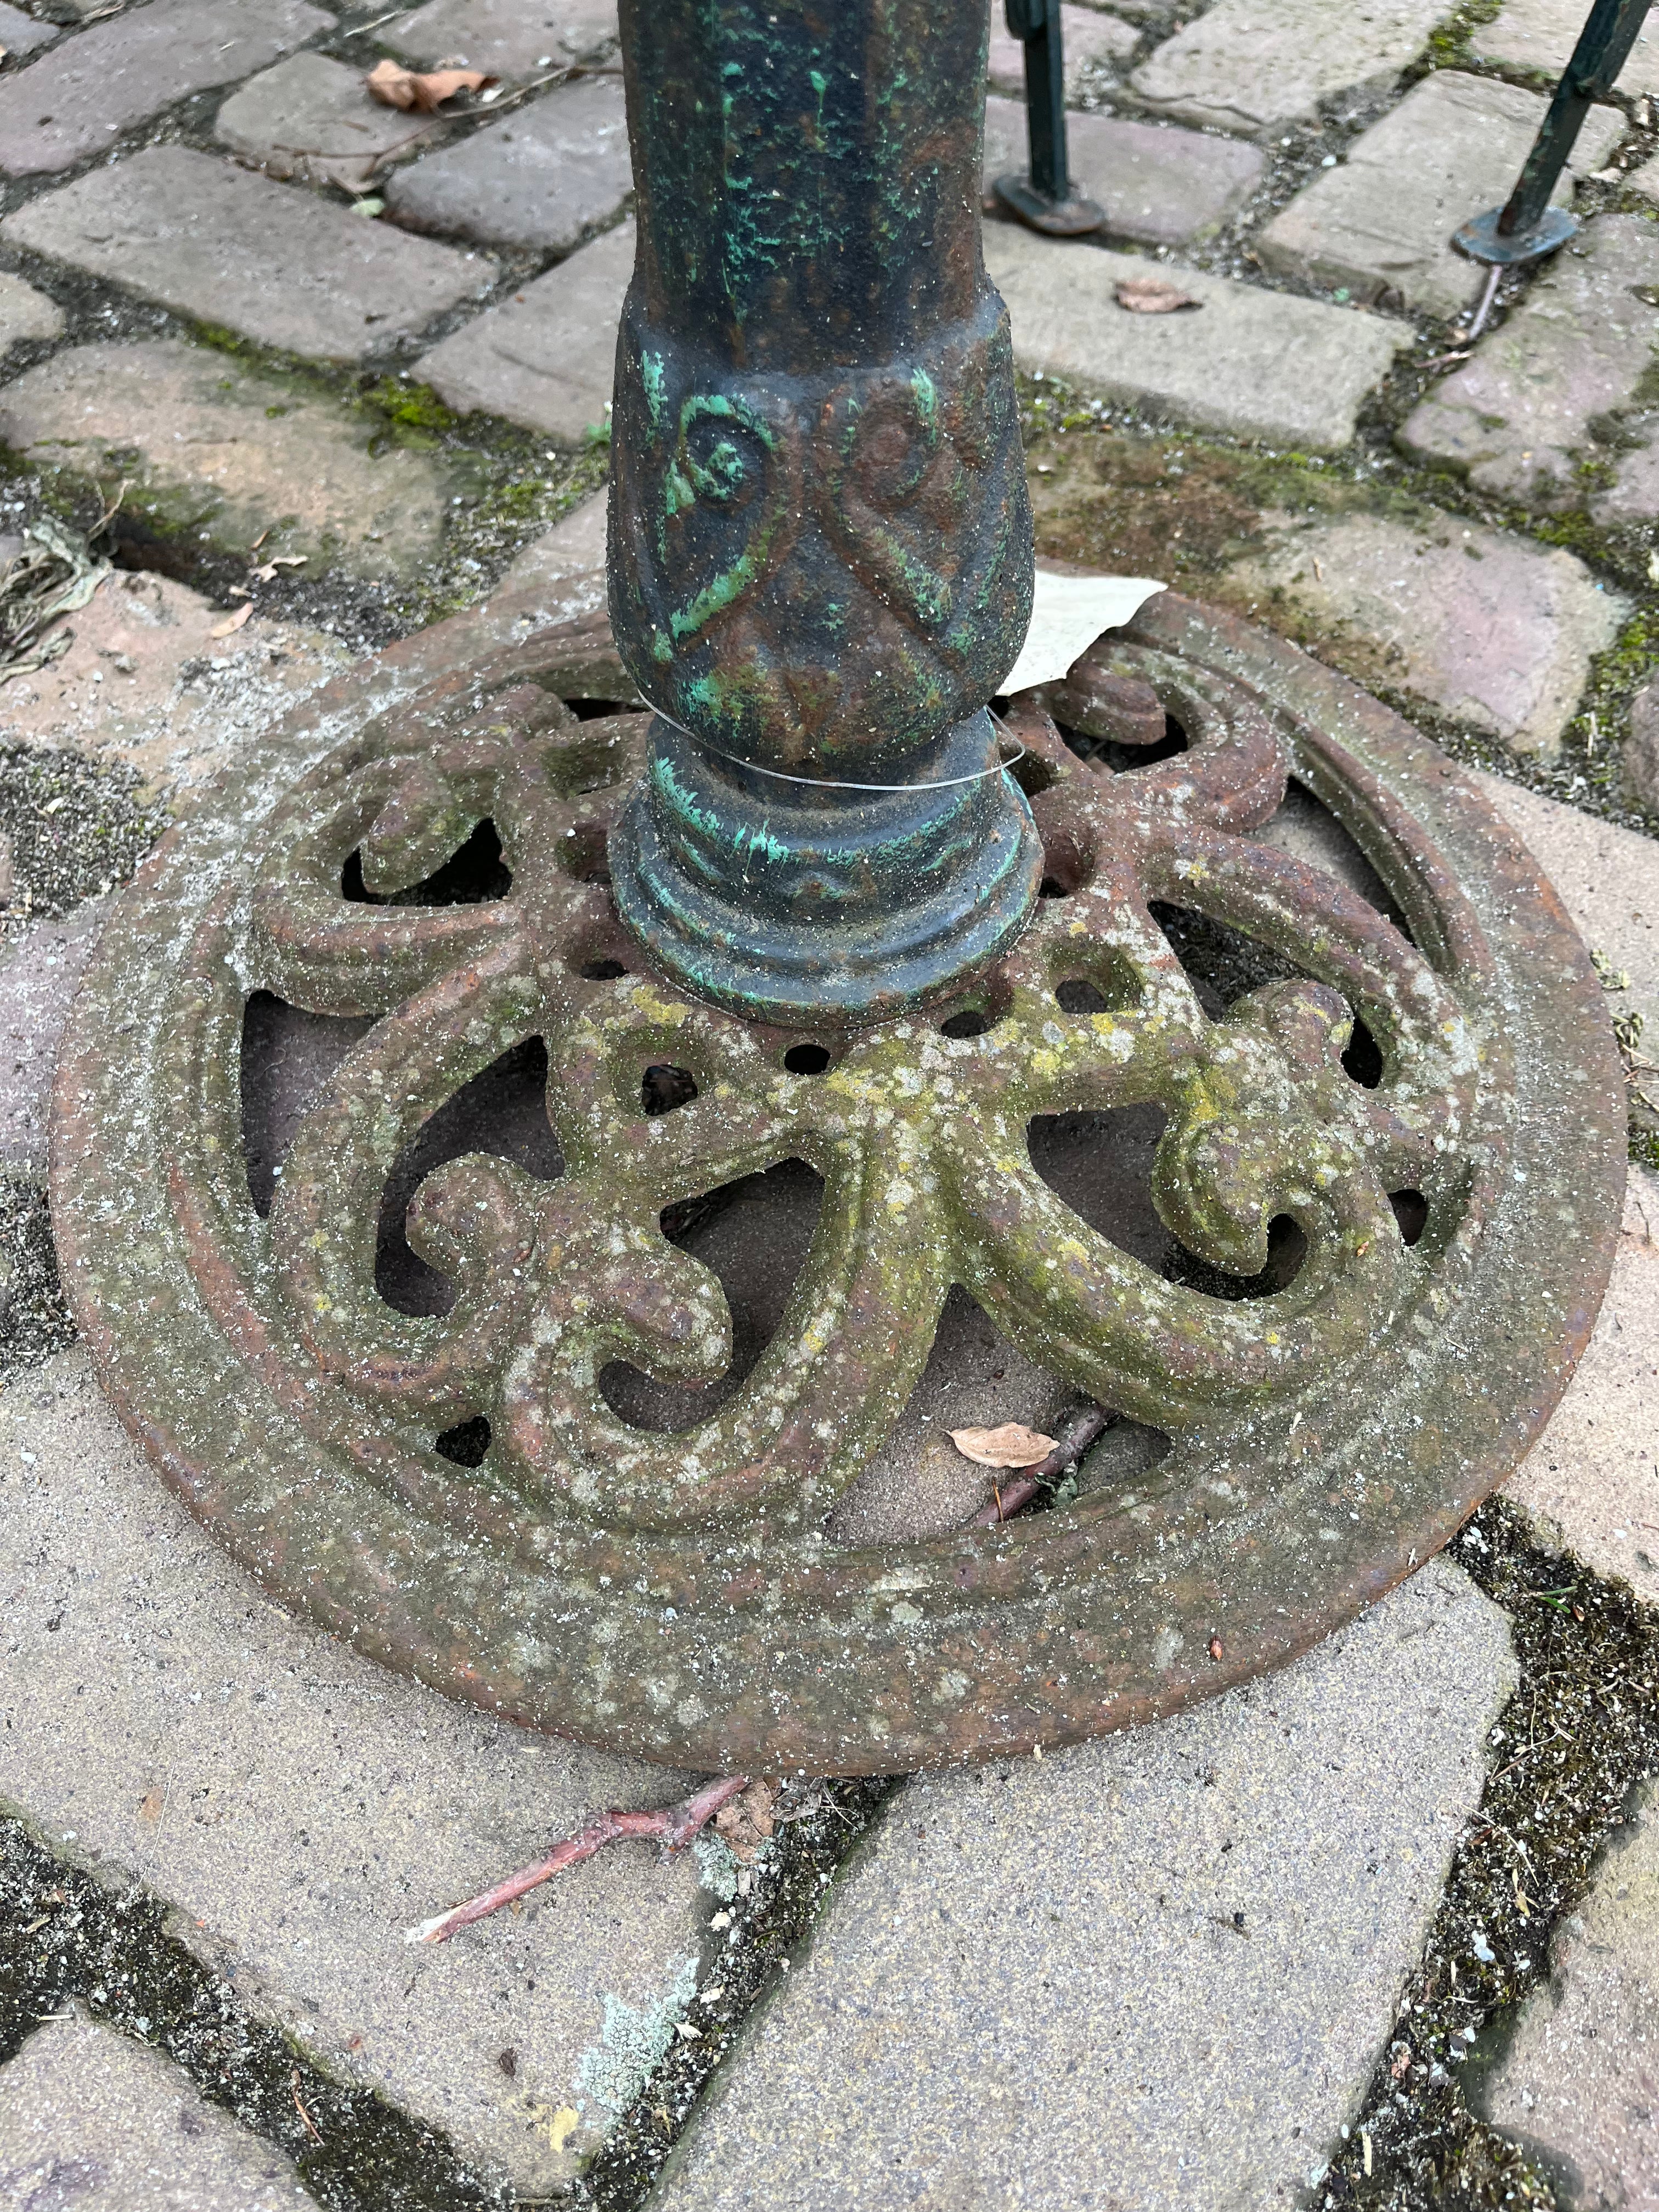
x: 1566, y: 1754
x: 65, y: 1936
x: 824, y: 1826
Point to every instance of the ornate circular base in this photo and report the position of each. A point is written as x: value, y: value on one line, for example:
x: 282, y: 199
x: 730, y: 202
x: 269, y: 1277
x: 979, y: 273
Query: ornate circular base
x: 371, y: 1355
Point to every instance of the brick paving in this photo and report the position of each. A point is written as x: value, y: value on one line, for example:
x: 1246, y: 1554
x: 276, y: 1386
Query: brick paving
x: 263, y: 316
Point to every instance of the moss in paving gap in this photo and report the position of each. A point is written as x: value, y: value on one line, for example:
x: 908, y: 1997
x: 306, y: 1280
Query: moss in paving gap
x: 1579, y: 1734
x: 512, y: 486
x: 1183, y: 480
x: 76, y: 828
x: 36, y: 1321
x: 822, y: 1827
x: 65, y: 1936
x: 1448, y: 45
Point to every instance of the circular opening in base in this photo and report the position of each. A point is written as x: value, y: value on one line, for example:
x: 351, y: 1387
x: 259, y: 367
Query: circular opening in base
x: 806, y: 1059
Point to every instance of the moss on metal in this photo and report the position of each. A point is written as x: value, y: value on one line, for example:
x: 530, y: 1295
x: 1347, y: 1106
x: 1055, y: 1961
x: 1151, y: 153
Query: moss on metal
x: 679, y: 1600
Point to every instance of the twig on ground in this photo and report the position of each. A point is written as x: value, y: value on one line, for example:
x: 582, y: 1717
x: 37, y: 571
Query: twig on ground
x: 311, y: 2126
x: 1013, y: 1497
x: 674, y: 1825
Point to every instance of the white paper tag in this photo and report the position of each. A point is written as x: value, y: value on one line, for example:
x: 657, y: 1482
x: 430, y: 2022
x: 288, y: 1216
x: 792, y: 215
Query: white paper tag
x: 1068, y: 613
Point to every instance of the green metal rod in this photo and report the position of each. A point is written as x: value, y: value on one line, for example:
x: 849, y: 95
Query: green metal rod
x: 1603, y: 48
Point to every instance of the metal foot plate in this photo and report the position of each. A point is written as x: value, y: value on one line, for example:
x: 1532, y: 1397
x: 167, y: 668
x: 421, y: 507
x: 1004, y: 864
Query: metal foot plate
x: 676, y: 1596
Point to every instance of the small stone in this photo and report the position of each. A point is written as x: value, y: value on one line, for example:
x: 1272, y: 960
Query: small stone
x: 1181, y: 2005
x: 1591, y: 1481
x: 1091, y: 41
x: 543, y: 177
x: 1255, y: 363
x: 1576, y: 2078
x: 297, y: 1808
x: 206, y: 445
x: 1522, y: 416
x: 146, y: 680
x: 1382, y: 223
x: 274, y: 263
x: 1491, y: 631
x: 20, y: 35
x: 26, y: 314
x: 1244, y: 67
x: 37, y: 984
x: 1641, y: 761
x: 1540, y: 35
x: 512, y: 39
x: 310, y: 119
x: 75, y: 102
x: 1159, y: 186
x: 90, y: 2119
x: 545, y: 357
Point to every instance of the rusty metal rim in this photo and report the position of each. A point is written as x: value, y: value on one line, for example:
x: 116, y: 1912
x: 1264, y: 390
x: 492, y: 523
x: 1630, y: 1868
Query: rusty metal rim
x: 1108, y: 1643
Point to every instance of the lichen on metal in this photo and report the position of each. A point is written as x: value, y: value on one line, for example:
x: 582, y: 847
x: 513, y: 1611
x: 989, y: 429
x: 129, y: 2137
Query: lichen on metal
x: 820, y: 571
x: 677, y: 1596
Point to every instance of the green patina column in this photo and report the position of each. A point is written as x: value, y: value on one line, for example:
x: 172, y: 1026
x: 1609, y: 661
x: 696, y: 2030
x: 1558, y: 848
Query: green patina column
x: 820, y: 536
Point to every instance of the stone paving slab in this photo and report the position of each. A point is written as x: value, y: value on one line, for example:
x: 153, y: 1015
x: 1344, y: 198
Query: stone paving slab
x: 1091, y: 41
x: 311, y: 120
x: 1608, y: 881
x: 21, y: 34
x: 1578, y: 2083
x: 1156, y: 1971
x: 1490, y: 630
x: 299, y: 1809
x: 145, y: 680
x: 562, y: 575
x: 511, y: 38
x: 545, y: 357
x: 74, y: 101
x: 1249, y: 67
x: 1591, y: 1481
x: 1160, y: 185
x: 93, y: 2122
x: 542, y: 177
x: 38, y: 983
x: 26, y: 314
x: 1381, y: 222
x: 212, y: 450
x: 1541, y: 35
x: 269, y: 261
x: 1519, y: 418
x: 1255, y: 363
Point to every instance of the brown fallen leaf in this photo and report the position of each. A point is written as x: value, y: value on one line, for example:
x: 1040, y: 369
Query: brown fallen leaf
x: 232, y: 621
x: 394, y: 86
x: 1153, y: 295
x: 743, y: 1825
x: 1011, y: 1445
x: 151, y: 1805
x: 267, y: 572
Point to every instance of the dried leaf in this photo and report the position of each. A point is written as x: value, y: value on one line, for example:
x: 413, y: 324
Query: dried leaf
x: 232, y: 621
x: 267, y: 572
x: 1153, y: 295
x: 1011, y: 1445
x: 394, y: 86
x: 744, y: 1823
